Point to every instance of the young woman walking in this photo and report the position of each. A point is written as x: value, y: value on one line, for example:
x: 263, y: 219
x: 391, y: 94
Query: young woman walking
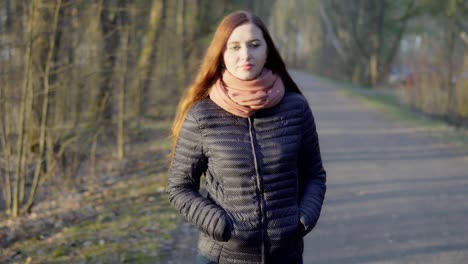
x: 246, y: 127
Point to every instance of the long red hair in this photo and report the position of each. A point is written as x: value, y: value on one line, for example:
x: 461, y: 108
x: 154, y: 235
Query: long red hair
x: 211, y: 67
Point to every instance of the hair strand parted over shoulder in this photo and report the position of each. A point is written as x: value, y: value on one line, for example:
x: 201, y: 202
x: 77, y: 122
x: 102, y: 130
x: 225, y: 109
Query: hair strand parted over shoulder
x: 211, y: 66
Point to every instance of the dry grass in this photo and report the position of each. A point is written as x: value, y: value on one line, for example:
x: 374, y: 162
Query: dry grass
x: 429, y: 96
x: 121, y: 216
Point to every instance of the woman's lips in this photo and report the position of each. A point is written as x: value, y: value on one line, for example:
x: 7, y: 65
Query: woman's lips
x: 247, y: 67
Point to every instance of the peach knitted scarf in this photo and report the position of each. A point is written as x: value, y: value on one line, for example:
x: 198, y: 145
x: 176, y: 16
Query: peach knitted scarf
x: 244, y: 98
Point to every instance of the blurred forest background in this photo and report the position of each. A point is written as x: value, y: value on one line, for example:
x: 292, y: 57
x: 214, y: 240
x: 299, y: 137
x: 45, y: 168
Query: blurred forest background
x: 85, y: 84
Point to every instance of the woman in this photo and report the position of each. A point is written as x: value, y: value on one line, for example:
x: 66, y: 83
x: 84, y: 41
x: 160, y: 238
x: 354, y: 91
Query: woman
x: 245, y: 125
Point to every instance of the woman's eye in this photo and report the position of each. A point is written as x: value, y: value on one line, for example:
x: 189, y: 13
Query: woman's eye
x: 255, y: 44
x: 234, y: 47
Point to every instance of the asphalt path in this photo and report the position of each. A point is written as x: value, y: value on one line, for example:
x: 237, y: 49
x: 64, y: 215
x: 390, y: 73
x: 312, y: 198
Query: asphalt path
x: 395, y: 194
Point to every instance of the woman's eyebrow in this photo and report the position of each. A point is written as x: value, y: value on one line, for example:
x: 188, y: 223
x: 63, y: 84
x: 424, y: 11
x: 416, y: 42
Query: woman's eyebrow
x: 237, y: 42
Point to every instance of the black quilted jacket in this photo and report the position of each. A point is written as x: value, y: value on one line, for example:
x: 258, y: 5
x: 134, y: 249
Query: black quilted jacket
x: 264, y: 179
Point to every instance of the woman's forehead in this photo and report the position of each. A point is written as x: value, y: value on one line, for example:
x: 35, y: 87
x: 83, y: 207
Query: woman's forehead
x: 246, y: 32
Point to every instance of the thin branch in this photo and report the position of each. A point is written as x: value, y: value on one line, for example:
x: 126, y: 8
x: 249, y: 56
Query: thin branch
x: 331, y: 32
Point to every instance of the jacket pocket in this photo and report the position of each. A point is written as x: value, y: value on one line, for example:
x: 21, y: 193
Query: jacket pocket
x: 301, y: 229
x: 228, y: 227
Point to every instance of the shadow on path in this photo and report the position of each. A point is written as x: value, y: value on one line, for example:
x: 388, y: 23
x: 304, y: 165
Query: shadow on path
x: 395, y: 194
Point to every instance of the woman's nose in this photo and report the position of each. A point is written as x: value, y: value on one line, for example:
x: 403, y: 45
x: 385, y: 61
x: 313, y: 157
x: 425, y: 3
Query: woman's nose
x: 245, y: 53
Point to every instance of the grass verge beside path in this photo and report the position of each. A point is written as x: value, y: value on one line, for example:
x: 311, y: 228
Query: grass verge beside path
x: 123, y: 217
x: 388, y: 103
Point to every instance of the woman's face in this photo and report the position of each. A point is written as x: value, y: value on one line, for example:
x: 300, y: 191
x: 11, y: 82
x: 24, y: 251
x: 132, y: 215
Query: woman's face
x: 246, y: 52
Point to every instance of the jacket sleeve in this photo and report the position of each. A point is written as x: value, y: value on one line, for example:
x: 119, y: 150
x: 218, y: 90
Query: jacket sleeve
x: 188, y: 164
x: 312, y: 175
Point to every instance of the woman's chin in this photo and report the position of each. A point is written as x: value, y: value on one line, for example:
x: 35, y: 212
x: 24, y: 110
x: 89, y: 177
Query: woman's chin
x: 246, y: 76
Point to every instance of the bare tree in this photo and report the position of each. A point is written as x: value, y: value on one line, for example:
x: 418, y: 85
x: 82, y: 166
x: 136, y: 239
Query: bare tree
x: 123, y: 70
x: 109, y: 19
x: 146, y: 61
x: 366, y: 35
x: 26, y: 89
x: 45, y: 108
x: 78, y: 87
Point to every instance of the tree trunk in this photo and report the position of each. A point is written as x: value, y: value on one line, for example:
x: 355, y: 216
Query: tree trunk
x: 59, y: 94
x: 182, y: 38
x: 45, y: 107
x: 331, y: 32
x: 5, y: 144
x: 9, y: 16
x: 109, y: 27
x: 450, y: 50
x: 75, y: 94
x: 145, y: 65
x: 26, y: 89
x: 387, y: 62
x: 373, y: 67
x: 122, y: 83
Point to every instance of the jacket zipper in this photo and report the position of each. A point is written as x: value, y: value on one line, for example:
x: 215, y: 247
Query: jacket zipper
x: 260, y: 189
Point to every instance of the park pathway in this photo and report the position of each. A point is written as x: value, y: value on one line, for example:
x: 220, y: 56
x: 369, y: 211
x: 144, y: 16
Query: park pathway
x: 395, y: 194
